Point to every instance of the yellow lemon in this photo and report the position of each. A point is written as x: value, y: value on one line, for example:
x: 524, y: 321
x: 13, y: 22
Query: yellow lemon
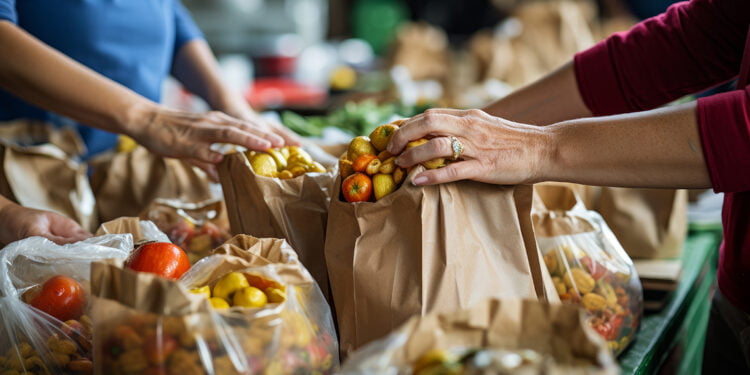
x: 204, y: 291
x: 263, y: 164
x: 275, y: 295
x: 250, y: 297
x: 383, y: 185
x: 229, y: 284
x: 359, y: 146
x: 218, y: 303
x: 432, y: 358
x: 278, y: 158
x: 381, y: 135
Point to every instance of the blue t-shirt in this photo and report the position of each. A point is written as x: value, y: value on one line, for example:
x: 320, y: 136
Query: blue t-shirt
x: 132, y: 42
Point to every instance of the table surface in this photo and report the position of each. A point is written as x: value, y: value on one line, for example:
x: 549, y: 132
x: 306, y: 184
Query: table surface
x: 658, y: 330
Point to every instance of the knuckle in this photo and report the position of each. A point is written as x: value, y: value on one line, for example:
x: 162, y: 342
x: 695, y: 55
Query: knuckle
x: 476, y: 112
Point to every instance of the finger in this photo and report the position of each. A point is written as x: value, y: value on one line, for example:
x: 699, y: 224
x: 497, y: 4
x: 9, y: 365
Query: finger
x: 439, y: 147
x: 202, y: 152
x: 430, y: 122
x: 235, y: 136
x: 465, y: 170
x: 290, y: 138
x: 210, y: 169
x: 256, y: 128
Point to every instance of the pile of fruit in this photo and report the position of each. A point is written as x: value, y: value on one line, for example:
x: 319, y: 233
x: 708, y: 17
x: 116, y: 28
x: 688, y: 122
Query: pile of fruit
x: 285, y: 162
x: 197, y: 239
x: 369, y: 172
x: 242, y: 290
x: 68, y: 346
x: 608, y: 296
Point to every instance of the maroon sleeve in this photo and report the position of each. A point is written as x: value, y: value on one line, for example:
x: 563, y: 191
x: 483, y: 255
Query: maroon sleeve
x: 691, y: 47
x: 724, y: 125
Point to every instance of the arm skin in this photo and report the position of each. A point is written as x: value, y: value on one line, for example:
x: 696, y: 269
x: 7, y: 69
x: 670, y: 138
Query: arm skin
x: 196, y: 68
x: 17, y: 222
x: 45, y: 77
x: 652, y: 149
x: 551, y: 99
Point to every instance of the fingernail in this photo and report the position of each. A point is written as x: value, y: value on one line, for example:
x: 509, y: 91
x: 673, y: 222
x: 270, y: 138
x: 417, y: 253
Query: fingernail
x: 419, y: 180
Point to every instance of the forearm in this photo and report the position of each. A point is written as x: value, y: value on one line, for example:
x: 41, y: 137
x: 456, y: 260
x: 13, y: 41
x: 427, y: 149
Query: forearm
x: 45, y: 77
x: 657, y: 148
x: 549, y: 100
x: 196, y: 68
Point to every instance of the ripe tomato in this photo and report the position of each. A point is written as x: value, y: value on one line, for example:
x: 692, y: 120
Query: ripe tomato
x: 162, y: 258
x: 61, y: 297
x: 360, y: 164
x: 357, y: 188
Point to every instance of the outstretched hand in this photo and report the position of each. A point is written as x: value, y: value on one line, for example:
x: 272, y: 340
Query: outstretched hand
x: 18, y: 222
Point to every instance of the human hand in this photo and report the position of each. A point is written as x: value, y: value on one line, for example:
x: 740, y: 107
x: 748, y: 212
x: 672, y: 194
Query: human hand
x: 189, y: 136
x: 18, y: 222
x: 496, y: 151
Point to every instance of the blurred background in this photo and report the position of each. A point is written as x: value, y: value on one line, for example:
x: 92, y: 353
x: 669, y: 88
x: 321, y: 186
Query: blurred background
x: 351, y: 64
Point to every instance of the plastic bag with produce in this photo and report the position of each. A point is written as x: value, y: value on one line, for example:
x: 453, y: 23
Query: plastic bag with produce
x: 282, y: 193
x: 493, y: 337
x: 260, y: 285
x: 44, y: 302
x: 196, y: 227
x: 588, y: 265
x: 414, y: 250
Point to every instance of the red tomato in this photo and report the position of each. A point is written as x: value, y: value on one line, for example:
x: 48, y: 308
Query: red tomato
x: 357, y: 188
x: 61, y: 297
x: 161, y: 258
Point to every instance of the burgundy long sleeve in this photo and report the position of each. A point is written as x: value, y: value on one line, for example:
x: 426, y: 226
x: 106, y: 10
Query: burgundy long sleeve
x: 693, y: 46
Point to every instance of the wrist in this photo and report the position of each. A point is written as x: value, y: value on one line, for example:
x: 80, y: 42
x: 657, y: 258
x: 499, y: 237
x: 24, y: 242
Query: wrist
x: 136, y: 117
x: 548, y: 165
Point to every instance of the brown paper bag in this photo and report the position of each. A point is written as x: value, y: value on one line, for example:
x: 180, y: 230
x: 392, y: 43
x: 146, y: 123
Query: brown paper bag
x: 556, y: 332
x: 40, y: 170
x: 124, y: 184
x: 424, y: 249
x: 295, y: 209
x: 588, y: 265
x: 141, y: 230
x: 650, y: 223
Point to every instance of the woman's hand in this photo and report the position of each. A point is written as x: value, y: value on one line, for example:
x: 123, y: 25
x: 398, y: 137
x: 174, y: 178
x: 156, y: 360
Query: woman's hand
x: 495, y: 150
x: 18, y: 222
x: 189, y: 136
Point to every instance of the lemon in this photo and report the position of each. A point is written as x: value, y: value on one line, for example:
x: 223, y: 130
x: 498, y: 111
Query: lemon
x: 204, y: 291
x: 275, y: 295
x: 359, y: 146
x: 317, y: 167
x: 383, y: 185
x: 278, y: 158
x: 229, y: 284
x: 285, y: 152
x: 218, y: 303
x: 381, y: 135
x: 126, y: 144
x: 250, y: 297
x: 263, y: 164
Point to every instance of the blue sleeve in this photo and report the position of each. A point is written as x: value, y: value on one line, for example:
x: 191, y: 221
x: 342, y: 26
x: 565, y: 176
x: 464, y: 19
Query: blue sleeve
x: 8, y: 11
x: 185, y: 28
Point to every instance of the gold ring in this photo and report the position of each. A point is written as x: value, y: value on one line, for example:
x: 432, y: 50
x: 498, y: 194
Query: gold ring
x: 457, y: 147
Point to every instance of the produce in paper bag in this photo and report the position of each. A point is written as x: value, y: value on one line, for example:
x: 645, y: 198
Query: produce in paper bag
x: 44, y: 288
x: 429, y: 249
x: 493, y: 337
x: 295, y: 208
x: 588, y: 265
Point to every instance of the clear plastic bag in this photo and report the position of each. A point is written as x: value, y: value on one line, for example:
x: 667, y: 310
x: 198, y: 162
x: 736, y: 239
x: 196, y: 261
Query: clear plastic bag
x: 31, y: 340
x: 157, y: 326
x: 588, y: 265
x: 196, y: 227
x: 291, y: 335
